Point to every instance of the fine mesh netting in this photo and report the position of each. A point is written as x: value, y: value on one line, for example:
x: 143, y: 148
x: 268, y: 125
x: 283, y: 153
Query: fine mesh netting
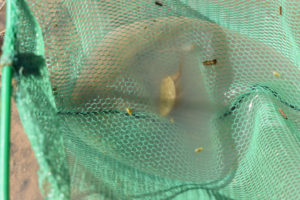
x: 170, y: 99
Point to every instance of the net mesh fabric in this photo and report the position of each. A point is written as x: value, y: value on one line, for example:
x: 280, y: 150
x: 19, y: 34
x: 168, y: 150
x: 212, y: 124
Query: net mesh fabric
x: 89, y: 76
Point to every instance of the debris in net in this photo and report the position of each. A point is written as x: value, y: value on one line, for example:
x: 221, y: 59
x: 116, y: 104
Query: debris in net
x: 199, y: 149
x: 280, y: 10
x: 55, y: 24
x: 54, y: 90
x: 145, y: 27
x: 21, y: 70
x: 210, y: 62
x: 129, y: 111
x: 282, y: 113
x: 276, y: 74
x: 158, y: 3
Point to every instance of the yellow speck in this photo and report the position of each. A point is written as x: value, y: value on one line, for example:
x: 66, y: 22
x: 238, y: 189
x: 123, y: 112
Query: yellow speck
x: 171, y: 120
x: 277, y: 74
x: 129, y: 111
x: 199, y: 149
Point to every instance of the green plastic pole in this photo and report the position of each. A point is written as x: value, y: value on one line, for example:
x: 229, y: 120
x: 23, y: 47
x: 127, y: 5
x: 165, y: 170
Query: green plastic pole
x: 5, y: 132
x: 5, y: 105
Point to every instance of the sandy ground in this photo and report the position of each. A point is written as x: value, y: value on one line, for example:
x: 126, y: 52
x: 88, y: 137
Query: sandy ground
x: 23, y: 164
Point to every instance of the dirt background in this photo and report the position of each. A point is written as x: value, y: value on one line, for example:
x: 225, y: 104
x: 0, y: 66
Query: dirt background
x: 23, y: 164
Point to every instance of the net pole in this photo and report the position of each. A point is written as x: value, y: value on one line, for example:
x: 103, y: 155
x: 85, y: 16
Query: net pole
x: 5, y: 111
x: 5, y: 131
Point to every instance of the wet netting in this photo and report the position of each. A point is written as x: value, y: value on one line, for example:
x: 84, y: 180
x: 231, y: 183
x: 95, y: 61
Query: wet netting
x: 169, y: 99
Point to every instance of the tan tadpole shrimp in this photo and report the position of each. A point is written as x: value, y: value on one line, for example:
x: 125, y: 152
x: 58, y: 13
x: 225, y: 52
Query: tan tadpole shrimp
x: 169, y: 91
